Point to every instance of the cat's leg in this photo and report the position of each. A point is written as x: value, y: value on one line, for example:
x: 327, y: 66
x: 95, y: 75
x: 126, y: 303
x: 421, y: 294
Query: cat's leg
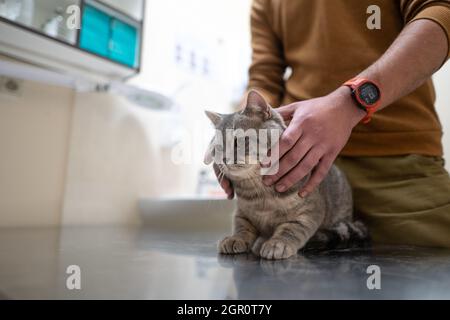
x: 288, y: 238
x: 244, y: 235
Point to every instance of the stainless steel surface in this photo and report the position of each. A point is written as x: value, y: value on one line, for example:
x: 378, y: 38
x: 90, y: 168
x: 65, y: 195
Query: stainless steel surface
x: 136, y: 263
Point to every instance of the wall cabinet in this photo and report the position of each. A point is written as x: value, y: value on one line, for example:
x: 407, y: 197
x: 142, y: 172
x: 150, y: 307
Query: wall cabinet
x: 107, y: 44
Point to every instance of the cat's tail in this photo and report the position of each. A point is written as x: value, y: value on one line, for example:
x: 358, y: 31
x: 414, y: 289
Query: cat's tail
x: 343, y: 234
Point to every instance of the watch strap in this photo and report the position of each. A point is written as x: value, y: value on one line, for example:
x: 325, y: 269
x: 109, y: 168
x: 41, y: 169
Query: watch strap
x: 356, y: 83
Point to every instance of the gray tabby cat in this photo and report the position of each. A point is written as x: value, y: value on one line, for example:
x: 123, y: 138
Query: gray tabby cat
x: 276, y: 225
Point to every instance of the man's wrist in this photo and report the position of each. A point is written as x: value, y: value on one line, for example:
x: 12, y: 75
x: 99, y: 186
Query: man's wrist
x: 354, y: 113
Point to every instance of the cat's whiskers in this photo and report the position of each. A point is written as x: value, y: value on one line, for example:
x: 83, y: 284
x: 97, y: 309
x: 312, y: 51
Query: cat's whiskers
x: 221, y: 174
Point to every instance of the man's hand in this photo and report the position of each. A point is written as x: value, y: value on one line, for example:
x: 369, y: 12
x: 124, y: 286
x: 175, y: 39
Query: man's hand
x: 318, y: 130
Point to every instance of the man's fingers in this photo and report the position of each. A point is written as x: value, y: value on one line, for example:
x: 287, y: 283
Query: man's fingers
x: 289, y: 161
x: 317, y: 177
x: 216, y: 170
x: 225, y: 183
x: 227, y: 187
x: 286, y: 112
x: 305, y: 166
x: 289, y: 138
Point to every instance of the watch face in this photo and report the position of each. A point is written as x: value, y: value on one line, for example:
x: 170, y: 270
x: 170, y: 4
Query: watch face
x: 369, y: 93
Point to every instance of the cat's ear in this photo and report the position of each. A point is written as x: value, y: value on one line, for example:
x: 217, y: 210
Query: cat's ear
x: 256, y: 104
x: 214, y: 117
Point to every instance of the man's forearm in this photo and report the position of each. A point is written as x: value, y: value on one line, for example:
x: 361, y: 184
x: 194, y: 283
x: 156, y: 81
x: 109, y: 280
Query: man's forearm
x: 415, y: 55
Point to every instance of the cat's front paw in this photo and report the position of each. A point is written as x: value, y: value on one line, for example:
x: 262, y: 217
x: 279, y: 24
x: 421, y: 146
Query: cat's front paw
x: 233, y: 245
x: 275, y: 249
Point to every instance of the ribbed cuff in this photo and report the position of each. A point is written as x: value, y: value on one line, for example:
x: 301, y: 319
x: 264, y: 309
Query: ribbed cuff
x: 439, y: 13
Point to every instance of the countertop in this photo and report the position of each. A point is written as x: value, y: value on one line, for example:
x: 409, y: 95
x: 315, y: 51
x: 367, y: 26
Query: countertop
x: 144, y: 263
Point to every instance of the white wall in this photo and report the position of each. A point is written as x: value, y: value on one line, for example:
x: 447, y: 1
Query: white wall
x: 34, y: 134
x: 115, y: 157
x: 130, y: 7
x: 442, y: 82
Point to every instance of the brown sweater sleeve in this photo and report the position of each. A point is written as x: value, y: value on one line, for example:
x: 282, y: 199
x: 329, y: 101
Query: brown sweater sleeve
x: 435, y: 10
x: 268, y: 64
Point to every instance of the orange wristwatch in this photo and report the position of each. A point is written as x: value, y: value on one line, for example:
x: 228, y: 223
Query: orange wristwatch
x: 366, y: 94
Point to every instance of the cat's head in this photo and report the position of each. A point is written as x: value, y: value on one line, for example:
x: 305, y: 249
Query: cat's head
x: 243, y: 138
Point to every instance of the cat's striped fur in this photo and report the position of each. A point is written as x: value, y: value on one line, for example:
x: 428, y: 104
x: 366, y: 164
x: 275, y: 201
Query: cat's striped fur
x: 276, y: 225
